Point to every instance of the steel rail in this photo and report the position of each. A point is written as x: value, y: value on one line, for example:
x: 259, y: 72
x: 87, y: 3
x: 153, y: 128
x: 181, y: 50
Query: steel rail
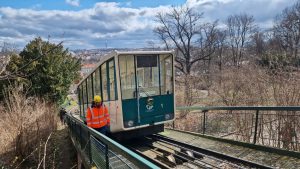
x: 201, y: 154
x: 182, y: 157
x: 210, y: 152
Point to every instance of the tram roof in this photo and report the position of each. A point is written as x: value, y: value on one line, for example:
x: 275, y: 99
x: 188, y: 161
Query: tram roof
x: 143, y: 52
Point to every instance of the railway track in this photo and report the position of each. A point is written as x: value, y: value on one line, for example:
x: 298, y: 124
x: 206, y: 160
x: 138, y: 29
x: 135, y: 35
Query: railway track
x: 169, y: 153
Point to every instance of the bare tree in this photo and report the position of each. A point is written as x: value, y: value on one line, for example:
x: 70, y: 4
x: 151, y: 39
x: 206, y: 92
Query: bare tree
x: 182, y: 29
x: 4, y: 60
x: 150, y: 44
x: 287, y: 31
x: 208, y: 36
x: 259, y: 44
x: 206, y: 47
x: 220, y: 47
x: 6, y: 49
x: 239, y: 28
x: 178, y: 29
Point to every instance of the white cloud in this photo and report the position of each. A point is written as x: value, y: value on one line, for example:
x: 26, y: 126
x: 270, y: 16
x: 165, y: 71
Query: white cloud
x: 193, y: 3
x: 121, y: 25
x: 263, y: 11
x: 73, y: 2
x: 91, y: 26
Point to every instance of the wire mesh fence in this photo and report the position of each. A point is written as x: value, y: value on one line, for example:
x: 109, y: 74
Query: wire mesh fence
x: 103, y: 157
x: 277, y: 127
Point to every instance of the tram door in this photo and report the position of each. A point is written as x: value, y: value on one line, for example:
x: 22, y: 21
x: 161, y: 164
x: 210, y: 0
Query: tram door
x: 139, y: 76
x: 128, y: 90
x: 148, y: 89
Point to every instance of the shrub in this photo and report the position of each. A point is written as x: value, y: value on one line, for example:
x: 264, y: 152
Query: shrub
x: 25, y: 125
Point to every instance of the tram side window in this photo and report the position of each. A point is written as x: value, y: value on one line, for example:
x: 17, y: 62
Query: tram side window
x: 84, y: 98
x: 104, y: 82
x: 166, y: 74
x: 96, y: 82
x: 112, y: 81
x: 89, y: 89
x: 127, y: 76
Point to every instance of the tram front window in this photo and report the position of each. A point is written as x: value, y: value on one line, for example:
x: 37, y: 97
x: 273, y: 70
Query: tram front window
x: 143, y: 72
x: 147, y: 75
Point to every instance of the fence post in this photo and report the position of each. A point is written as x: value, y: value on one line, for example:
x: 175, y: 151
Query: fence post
x: 89, y: 147
x: 106, y: 157
x: 256, y: 125
x: 204, y: 121
x: 173, y: 123
x: 80, y: 138
x: 75, y: 132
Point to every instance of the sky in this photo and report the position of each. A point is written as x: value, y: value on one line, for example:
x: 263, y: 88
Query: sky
x: 91, y: 24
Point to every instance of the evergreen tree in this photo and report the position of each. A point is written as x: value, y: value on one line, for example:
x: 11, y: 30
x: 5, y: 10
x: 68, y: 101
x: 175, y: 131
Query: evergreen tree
x: 47, y: 68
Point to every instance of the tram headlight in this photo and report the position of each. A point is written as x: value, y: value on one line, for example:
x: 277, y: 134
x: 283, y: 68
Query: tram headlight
x: 168, y: 116
x: 129, y: 123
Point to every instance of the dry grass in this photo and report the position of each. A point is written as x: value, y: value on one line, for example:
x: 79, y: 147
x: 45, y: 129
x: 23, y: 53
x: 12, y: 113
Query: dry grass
x: 249, y: 85
x: 245, y: 86
x: 25, y: 125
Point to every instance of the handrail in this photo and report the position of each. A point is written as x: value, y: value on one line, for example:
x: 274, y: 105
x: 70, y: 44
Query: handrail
x: 260, y: 108
x: 255, y: 120
x: 116, y: 147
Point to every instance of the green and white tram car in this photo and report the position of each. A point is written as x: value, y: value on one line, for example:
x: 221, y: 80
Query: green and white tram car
x: 137, y: 87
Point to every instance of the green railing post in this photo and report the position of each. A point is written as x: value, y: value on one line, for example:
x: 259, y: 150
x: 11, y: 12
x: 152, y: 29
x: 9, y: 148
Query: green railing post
x: 173, y: 123
x: 80, y: 136
x: 204, y: 121
x: 89, y: 147
x: 256, y: 125
x: 75, y: 132
x: 106, y: 156
x: 72, y: 128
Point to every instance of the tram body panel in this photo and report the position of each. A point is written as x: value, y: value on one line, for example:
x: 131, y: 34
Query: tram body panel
x: 137, y: 88
x: 143, y: 75
x: 115, y: 115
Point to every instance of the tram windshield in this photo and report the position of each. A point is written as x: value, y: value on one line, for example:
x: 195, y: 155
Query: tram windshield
x: 147, y: 75
x: 150, y: 74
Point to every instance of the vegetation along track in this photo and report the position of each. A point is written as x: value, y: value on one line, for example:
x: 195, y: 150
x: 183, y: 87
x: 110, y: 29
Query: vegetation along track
x: 169, y: 153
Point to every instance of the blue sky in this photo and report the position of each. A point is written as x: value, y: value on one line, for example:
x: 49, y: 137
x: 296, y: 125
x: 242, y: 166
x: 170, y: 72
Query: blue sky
x: 92, y: 24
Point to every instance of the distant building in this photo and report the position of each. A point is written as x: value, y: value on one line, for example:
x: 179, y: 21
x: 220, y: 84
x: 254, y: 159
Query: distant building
x: 86, y: 68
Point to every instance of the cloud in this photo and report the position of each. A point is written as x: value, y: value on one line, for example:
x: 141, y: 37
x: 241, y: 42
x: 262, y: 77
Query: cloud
x: 106, y: 20
x: 118, y: 24
x: 73, y: 2
x: 263, y: 11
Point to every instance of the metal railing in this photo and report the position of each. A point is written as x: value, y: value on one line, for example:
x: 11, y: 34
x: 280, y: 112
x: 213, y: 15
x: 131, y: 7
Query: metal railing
x: 277, y: 127
x: 99, y: 150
